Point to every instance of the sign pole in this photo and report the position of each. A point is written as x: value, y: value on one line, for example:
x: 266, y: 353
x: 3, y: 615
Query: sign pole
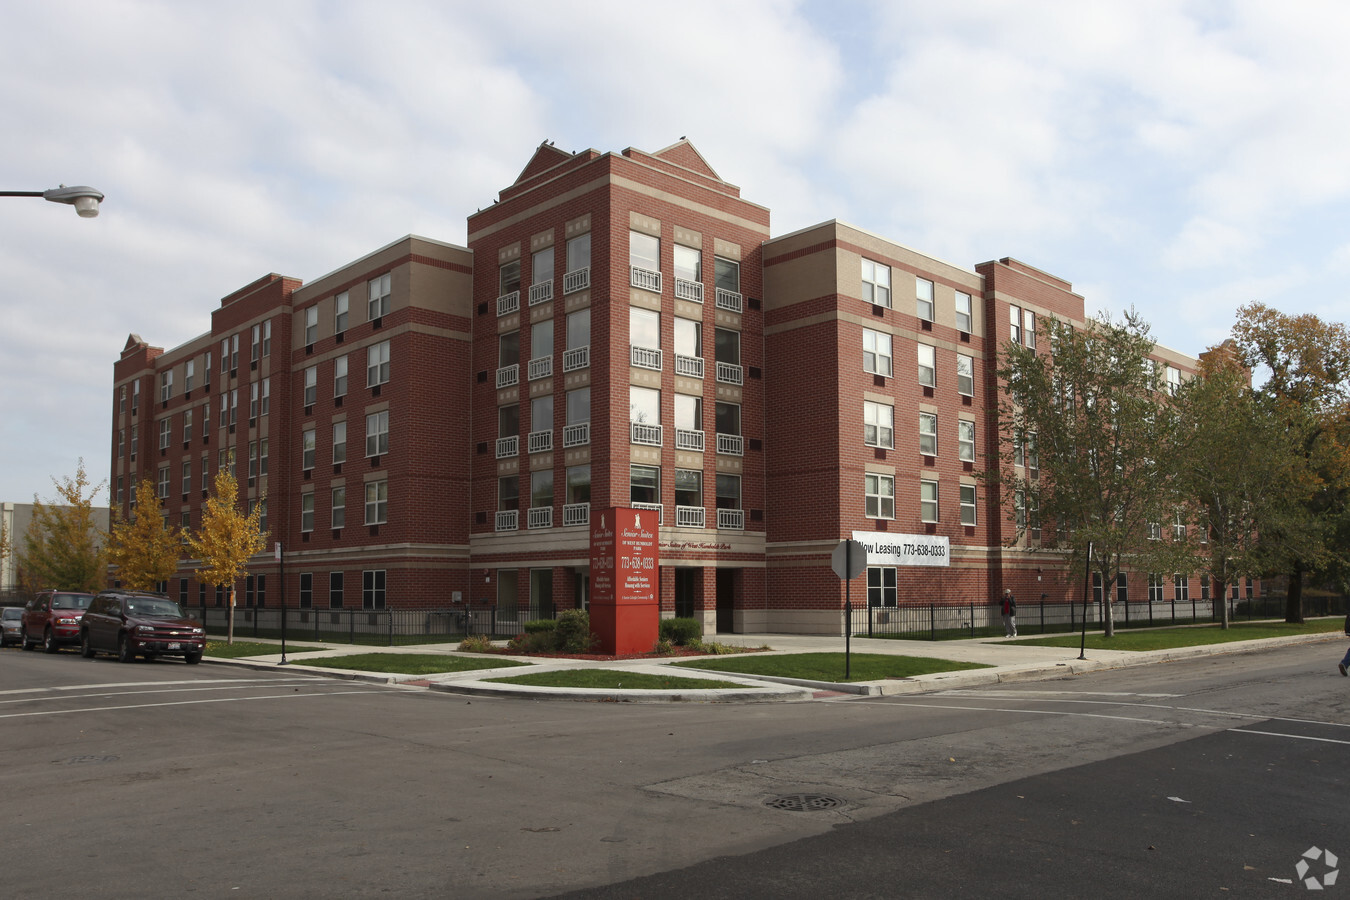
x: 849, y: 560
x: 1087, y: 578
x: 281, y: 572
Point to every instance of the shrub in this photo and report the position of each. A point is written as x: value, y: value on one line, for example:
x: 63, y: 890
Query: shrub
x: 538, y: 626
x: 544, y: 641
x: 681, y: 632
x: 573, y: 632
x: 663, y: 647
x: 476, y: 643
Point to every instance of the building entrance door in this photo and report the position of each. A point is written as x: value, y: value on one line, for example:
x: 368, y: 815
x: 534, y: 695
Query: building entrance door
x: 688, y: 586
x: 726, y: 601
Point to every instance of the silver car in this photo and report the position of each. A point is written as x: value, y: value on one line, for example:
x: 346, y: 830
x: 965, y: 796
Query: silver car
x: 11, y: 626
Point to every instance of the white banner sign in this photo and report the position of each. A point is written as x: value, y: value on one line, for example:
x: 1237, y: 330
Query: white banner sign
x: 886, y: 549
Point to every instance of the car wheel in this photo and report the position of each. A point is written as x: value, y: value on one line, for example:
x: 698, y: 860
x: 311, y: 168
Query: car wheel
x: 192, y: 658
x: 28, y: 643
x: 124, y: 652
x: 86, y: 648
x: 49, y: 644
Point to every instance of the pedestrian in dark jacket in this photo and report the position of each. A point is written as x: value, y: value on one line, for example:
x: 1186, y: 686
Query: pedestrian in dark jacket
x: 1008, y: 606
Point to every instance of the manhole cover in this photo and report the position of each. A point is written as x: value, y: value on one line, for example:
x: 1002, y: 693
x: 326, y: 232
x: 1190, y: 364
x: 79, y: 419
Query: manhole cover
x: 804, y: 802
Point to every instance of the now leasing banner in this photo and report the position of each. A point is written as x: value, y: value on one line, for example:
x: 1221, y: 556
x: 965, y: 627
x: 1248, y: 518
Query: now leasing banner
x: 886, y: 549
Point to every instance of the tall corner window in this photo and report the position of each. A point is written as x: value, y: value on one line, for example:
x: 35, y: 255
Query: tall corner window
x: 876, y: 283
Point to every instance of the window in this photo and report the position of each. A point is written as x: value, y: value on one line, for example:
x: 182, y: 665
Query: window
x: 881, y: 586
x: 644, y: 413
x: 262, y: 513
x: 688, y: 263
x: 928, y: 501
x: 876, y: 283
x: 311, y: 385
x: 262, y: 456
x: 189, y: 374
x: 122, y: 400
x: 1178, y: 527
x: 234, y: 352
x: 689, y: 344
x: 576, y: 430
x: 541, y: 422
x: 688, y: 413
x: 307, y: 511
x: 122, y: 442
x: 339, y: 443
x: 224, y: 356
x: 1181, y: 586
x: 162, y: 488
x: 165, y: 432
x: 541, y: 489
x: 339, y: 514
x: 876, y: 352
x: 340, y: 304
x: 307, y: 448
x: 266, y: 396
x: 377, y: 433
x: 187, y: 429
x: 1204, y: 586
x: 644, y: 257
x: 923, y: 298
x: 253, y: 400
x: 206, y: 472
x: 255, y: 345
x: 578, y: 484
x: 377, y: 364
x: 880, y: 493
x: 206, y: 370
x: 541, y: 267
x: 928, y: 434
x: 165, y: 385
x: 965, y: 441
x: 963, y: 312
x: 577, y: 354
x: 508, y: 493
x: 1029, y: 328
x: 644, y: 484
x: 1033, y: 458
x: 1173, y: 381
x: 689, y: 489
x: 541, y: 349
x: 378, y: 291
x: 135, y: 440
x: 335, y: 590
x: 187, y: 476
x: 508, y: 278
x: 1015, y: 324
x: 727, y: 422
x: 372, y: 589
x: 377, y: 501
x: 1020, y: 510
x: 728, y: 492
x: 252, y: 463
x: 927, y: 365
x: 965, y: 375
x: 727, y: 352
x: 578, y: 263
x: 644, y: 327
x: 967, y: 504
x: 306, y: 590
x: 135, y: 396
x: 878, y: 424
x: 340, y: 377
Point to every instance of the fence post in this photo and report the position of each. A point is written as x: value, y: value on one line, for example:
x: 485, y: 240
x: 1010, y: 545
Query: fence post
x: 351, y: 627
x: 390, y: 614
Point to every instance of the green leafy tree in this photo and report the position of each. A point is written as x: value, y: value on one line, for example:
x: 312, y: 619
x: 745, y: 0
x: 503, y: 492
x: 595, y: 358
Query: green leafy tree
x: 228, y: 538
x: 1240, y: 469
x: 1307, y: 361
x: 1092, y: 416
x: 145, y: 549
x: 63, y: 548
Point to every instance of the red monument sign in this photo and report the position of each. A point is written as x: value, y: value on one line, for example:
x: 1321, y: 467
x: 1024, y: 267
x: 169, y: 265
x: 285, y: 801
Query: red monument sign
x: 625, y: 595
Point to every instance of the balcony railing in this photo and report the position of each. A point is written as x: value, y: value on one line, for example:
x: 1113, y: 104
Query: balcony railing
x: 577, y: 280
x: 540, y: 517
x: 689, y: 516
x: 660, y: 510
x: 540, y: 441
x: 577, y: 435
x: 689, y: 290
x: 541, y: 367
x: 541, y: 292
x: 732, y: 519
x: 508, y: 303
x: 645, y: 279
x: 646, y: 357
x: 508, y: 519
x: 728, y: 300
x: 576, y: 514
x: 508, y: 446
x: 691, y: 366
x: 578, y: 358
x: 730, y: 373
x: 649, y: 435
x: 688, y: 439
x: 508, y: 375
x: 730, y: 444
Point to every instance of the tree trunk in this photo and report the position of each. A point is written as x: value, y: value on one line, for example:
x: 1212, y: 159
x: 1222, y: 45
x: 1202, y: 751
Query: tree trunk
x: 1221, y: 599
x: 229, y: 628
x: 1108, y: 614
x: 1293, y: 602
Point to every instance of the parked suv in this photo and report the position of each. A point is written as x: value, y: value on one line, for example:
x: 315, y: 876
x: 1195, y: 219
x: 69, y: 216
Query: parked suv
x: 138, y: 623
x: 52, y: 619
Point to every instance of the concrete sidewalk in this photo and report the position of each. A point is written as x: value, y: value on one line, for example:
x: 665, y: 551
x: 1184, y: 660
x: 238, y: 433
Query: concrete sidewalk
x: 1009, y: 659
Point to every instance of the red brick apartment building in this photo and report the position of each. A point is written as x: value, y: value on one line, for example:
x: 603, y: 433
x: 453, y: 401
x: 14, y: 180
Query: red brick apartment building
x: 431, y: 424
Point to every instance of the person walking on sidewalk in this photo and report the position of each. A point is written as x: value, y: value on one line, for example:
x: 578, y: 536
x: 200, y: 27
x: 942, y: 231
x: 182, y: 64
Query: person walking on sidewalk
x: 1346, y: 661
x: 1008, y: 606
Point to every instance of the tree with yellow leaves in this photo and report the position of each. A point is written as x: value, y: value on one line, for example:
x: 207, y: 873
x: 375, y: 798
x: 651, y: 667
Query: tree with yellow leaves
x: 227, y: 538
x: 146, y: 548
x: 63, y: 548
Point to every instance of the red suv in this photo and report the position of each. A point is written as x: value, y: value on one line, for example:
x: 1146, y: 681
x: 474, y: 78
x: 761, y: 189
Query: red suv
x: 52, y: 619
x: 138, y: 623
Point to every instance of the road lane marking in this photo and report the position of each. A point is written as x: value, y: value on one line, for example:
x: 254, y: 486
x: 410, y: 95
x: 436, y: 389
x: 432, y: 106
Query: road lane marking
x: 177, y: 690
x: 67, y: 712
x: 1297, y: 737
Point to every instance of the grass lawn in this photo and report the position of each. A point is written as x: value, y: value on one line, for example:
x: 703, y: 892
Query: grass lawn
x: 1168, y: 638
x: 830, y: 666
x: 615, y: 678
x: 239, y: 649
x: 408, y: 663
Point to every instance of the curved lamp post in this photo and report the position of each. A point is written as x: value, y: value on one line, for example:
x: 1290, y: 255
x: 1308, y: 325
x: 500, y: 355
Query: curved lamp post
x: 84, y: 198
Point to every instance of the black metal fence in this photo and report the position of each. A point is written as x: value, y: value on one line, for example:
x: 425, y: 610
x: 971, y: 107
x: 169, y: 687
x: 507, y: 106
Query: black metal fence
x: 945, y: 621
x: 379, y: 627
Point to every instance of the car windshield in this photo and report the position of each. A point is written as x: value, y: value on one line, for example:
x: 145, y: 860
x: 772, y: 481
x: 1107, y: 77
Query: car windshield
x: 148, y: 606
x: 13, y: 612
x: 71, y: 601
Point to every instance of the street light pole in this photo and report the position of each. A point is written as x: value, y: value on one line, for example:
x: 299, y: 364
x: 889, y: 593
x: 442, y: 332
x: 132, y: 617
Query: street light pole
x: 84, y: 198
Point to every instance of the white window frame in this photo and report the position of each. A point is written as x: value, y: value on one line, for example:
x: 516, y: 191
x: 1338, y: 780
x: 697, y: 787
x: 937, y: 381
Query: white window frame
x: 924, y: 305
x: 377, y: 433
x: 928, y: 501
x: 339, y: 442
x: 928, y: 434
x: 879, y: 495
x: 965, y: 440
x: 878, y: 424
x: 927, y: 358
x: 877, y: 353
x: 876, y: 283
x: 377, y: 502
x: 965, y: 375
x: 968, y: 504
x: 377, y: 364
x: 965, y: 320
x: 378, y: 292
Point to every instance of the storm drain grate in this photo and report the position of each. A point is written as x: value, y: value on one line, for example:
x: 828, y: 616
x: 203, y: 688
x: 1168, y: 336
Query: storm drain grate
x: 804, y: 802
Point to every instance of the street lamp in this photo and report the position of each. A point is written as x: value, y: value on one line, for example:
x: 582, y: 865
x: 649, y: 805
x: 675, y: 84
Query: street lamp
x: 84, y: 198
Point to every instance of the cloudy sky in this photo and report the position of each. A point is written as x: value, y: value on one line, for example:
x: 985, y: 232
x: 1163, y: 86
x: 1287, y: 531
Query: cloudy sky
x: 1181, y: 157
